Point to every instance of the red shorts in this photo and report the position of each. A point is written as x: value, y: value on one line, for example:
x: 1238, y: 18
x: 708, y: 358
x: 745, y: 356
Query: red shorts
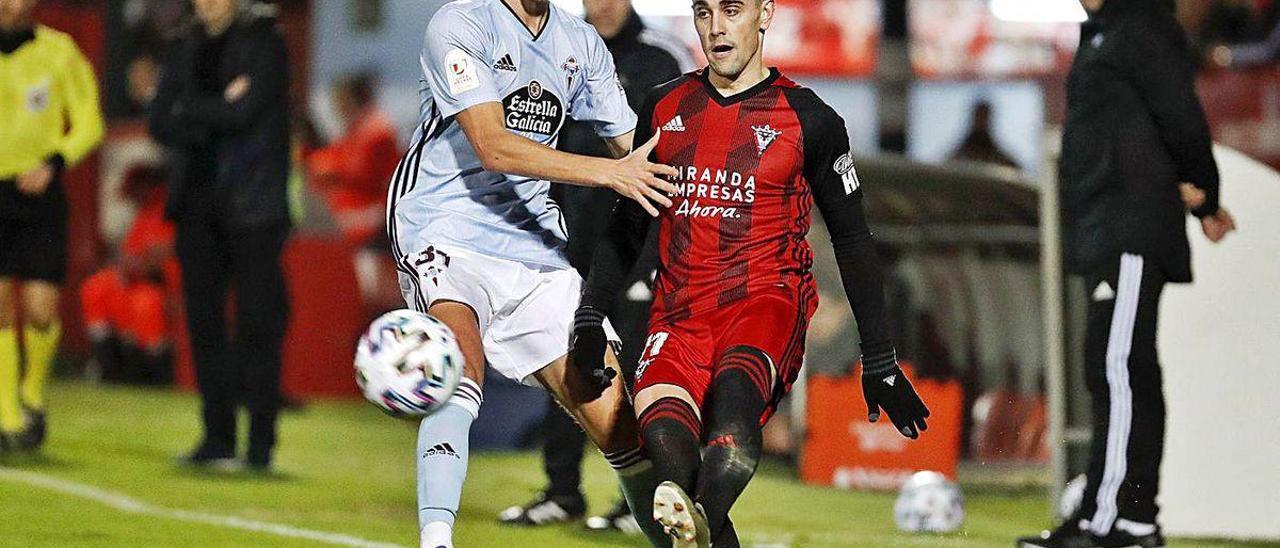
x: 687, y: 353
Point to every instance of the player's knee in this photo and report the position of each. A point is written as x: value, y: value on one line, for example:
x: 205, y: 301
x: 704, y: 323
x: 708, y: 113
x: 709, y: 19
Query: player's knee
x: 745, y: 368
x: 669, y: 416
x: 469, y: 396
x: 7, y: 312
x: 41, y: 315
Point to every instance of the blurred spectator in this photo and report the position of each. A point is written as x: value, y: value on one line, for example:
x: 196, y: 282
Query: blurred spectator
x: 126, y: 304
x: 223, y: 109
x: 979, y: 145
x: 49, y: 119
x: 1219, y: 21
x: 142, y: 77
x: 1249, y: 54
x: 352, y: 172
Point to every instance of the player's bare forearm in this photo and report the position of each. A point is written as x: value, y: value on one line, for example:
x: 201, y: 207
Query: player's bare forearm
x: 504, y: 152
x: 501, y: 151
x: 621, y: 145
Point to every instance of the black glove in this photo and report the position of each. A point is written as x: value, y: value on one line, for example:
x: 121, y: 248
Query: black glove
x: 884, y: 386
x: 587, y: 347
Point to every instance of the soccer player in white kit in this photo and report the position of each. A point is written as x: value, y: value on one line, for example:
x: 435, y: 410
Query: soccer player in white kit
x: 479, y: 244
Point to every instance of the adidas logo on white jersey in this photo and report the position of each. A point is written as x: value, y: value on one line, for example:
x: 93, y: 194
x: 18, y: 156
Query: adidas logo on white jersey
x: 676, y: 124
x: 505, y: 63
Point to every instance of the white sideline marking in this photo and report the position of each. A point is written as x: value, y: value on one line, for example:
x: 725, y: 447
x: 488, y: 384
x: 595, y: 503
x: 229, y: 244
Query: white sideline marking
x: 126, y: 504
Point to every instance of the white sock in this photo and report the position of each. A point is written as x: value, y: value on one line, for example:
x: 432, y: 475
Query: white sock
x: 638, y: 480
x: 437, y: 534
x: 442, y: 463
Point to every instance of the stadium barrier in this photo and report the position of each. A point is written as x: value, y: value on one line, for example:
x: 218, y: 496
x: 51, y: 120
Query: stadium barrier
x: 843, y: 450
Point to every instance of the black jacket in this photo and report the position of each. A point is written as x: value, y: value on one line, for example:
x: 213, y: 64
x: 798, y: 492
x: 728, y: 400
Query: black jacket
x: 249, y: 139
x: 1134, y: 130
x: 644, y: 59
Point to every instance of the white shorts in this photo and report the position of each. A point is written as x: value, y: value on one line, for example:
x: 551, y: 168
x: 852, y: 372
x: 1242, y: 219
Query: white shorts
x: 525, y: 314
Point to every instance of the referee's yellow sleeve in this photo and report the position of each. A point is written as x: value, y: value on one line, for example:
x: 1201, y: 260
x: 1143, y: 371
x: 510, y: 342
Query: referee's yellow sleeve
x: 83, y: 111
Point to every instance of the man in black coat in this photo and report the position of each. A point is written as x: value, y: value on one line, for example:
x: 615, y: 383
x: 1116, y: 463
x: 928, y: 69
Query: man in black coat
x: 1136, y: 156
x: 222, y: 109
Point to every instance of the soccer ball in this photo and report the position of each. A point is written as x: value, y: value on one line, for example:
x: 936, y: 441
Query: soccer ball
x: 1072, y: 497
x: 929, y: 503
x: 408, y: 363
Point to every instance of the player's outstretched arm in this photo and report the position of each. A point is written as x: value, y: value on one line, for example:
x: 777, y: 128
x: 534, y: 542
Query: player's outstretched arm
x: 633, y: 176
x: 884, y: 386
x: 838, y: 194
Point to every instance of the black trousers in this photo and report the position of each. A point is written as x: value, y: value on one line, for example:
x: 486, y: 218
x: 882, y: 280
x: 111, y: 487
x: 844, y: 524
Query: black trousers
x: 237, y: 363
x: 1122, y: 371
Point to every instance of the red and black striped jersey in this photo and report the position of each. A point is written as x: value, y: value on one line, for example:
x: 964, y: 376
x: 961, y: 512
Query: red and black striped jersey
x: 752, y: 166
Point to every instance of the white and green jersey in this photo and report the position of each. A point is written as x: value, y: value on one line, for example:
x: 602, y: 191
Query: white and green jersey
x: 478, y: 51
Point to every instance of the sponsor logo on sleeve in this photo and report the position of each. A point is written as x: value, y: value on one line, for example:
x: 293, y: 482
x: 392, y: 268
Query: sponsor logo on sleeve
x: 844, y: 168
x: 460, y: 72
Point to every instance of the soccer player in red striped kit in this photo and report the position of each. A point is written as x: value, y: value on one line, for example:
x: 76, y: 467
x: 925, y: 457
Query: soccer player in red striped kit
x: 733, y: 296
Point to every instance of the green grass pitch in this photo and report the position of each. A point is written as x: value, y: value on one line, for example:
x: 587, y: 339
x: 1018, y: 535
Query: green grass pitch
x: 345, y: 469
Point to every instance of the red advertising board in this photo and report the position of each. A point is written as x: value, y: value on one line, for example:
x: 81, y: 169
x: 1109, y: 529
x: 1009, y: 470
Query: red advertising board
x: 842, y: 449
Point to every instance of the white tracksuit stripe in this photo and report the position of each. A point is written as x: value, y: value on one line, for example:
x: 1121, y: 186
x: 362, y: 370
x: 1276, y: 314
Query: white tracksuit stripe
x: 1119, y: 345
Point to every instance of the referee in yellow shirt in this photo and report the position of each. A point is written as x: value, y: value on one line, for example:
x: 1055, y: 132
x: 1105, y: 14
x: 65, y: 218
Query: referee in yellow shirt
x: 49, y: 120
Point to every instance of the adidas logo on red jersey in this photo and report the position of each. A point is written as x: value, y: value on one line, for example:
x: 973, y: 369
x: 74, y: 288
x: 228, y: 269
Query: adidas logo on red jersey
x: 676, y: 124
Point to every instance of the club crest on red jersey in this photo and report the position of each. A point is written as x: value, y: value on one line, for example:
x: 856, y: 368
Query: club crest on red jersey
x: 765, y: 136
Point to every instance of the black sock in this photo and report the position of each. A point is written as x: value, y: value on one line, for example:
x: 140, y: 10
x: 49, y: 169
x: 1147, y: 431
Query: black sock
x: 672, y: 438
x: 737, y: 400
x: 728, y: 537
